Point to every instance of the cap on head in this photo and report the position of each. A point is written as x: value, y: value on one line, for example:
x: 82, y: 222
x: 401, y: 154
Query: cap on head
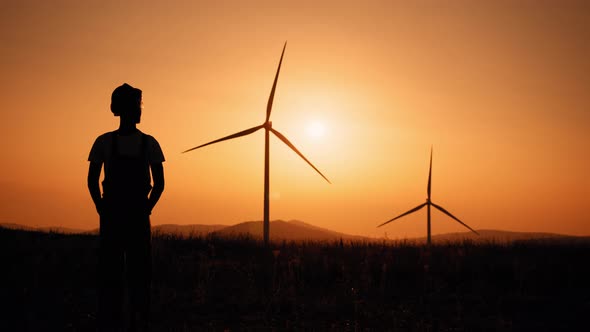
x: 124, y: 98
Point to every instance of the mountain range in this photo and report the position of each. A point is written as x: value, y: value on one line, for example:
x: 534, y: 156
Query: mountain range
x: 295, y: 230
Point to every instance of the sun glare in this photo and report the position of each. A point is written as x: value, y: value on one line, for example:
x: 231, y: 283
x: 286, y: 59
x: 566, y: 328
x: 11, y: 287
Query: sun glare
x: 316, y: 129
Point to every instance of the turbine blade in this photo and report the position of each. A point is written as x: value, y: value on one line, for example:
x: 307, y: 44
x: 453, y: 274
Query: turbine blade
x: 286, y: 141
x: 429, y: 174
x: 403, y: 214
x: 452, y: 216
x: 236, y: 135
x: 274, y: 86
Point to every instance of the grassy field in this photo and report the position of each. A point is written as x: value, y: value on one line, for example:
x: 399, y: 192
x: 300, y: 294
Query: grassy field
x: 48, y: 284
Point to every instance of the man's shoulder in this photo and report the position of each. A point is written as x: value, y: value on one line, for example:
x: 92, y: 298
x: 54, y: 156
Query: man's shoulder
x: 99, y: 149
x: 104, y: 138
x: 156, y: 154
x: 150, y: 138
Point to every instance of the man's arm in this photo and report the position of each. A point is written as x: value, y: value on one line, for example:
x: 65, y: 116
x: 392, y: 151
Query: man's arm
x: 158, y: 176
x: 94, y: 184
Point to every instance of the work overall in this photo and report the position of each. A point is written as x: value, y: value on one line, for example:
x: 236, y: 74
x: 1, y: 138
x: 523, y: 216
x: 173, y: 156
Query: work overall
x: 125, y: 248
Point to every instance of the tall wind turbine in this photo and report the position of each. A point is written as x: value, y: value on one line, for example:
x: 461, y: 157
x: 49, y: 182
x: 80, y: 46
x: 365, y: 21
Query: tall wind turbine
x: 267, y: 125
x: 428, y: 204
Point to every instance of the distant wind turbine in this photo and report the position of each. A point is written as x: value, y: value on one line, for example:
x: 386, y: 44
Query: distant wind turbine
x: 428, y: 204
x: 267, y: 125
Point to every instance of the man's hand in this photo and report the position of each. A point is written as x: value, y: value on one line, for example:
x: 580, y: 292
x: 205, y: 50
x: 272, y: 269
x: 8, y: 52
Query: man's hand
x: 158, y: 176
x: 99, y: 206
x: 94, y: 186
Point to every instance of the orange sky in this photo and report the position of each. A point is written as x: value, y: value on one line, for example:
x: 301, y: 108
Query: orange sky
x: 500, y: 88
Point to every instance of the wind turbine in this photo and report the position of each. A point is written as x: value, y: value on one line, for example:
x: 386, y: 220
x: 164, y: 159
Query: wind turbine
x: 267, y: 125
x: 428, y: 204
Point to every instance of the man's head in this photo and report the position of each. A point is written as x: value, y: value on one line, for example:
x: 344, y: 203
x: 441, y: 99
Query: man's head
x: 126, y: 102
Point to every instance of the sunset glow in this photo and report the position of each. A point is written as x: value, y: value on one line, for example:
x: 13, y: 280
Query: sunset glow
x: 316, y: 129
x: 498, y: 88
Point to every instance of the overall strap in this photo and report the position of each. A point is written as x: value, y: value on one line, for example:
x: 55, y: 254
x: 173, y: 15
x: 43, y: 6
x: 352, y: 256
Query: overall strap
x: 114, y: 139
x: 143, y: 151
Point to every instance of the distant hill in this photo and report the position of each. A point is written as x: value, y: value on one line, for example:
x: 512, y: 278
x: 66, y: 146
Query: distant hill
x: 293, y: 230
x: 186, y: 230
x: 167, y: 229
x: 499, y: 236
x: 49, y: 229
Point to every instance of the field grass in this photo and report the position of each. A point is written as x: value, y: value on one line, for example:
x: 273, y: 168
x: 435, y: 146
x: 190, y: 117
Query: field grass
x: 48, y: 284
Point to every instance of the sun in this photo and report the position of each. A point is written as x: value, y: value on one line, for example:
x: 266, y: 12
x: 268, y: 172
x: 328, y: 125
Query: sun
x: 316, y: 129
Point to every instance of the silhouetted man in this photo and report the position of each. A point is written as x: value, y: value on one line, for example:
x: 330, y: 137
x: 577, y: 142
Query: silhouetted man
x: 128, y: 156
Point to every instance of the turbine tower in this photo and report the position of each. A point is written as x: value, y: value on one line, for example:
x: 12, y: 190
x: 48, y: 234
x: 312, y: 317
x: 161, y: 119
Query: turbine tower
x: 428, y: 204
x: 267, y: 125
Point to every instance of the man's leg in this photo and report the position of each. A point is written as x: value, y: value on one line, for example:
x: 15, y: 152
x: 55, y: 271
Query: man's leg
x: 110, y: 276
x: 139, y: 264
